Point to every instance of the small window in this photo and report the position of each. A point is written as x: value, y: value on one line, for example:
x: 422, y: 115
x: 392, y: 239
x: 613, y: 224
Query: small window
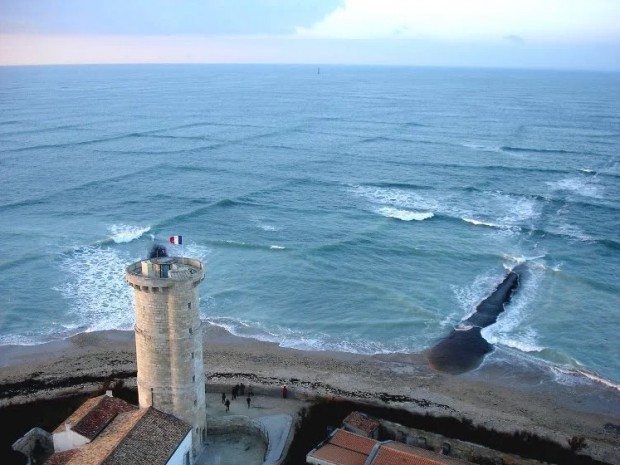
x: 186, y: 459
x: 191, y: 330
x: 195, y: 402
x: 192, y: 355
x: 194, y: 379
x: 189, y: 305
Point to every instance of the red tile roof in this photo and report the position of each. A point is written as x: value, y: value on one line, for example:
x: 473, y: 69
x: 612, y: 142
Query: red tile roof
x: 352, y: 441
x: 121, y: 434
x: 344, y: 448
x: 397, y: 453
x: 61, y: 458
x: 91, y: 424
x: 361, y: 422
x: 339, y: 456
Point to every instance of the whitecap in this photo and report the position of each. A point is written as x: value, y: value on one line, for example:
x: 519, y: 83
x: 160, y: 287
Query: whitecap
x: 582, y: 186
x: 394, y: 197
x: 468, y: 297
x: 122, y: 233
x: 509, y: 330
x: 94, y: 284
x: 521, y: 345
x: 404, y: 215
x: 277, y: 247
x: 482, y: 223
x: 481, y: 147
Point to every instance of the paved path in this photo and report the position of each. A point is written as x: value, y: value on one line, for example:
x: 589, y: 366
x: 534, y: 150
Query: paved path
x: 274, y: 415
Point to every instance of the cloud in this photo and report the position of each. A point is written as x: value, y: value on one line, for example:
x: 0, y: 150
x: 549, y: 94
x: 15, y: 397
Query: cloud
x: 514, y: 39
x: 161, y: 17
x: 457, y: 20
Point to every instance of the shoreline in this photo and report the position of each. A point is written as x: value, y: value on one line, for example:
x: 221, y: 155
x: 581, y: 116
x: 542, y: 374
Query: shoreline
x: 505, y: 393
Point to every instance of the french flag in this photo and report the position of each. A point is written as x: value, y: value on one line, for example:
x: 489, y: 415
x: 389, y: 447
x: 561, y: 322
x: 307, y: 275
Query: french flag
x: 178, y: 240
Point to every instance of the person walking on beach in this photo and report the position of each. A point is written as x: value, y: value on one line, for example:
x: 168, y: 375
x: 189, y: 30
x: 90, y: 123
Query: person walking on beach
x: 227, y: 404
x: 223, y: 397
x: 242, y: 389
x: 235, y: 389
x: 284, y: 392
x: 248, y: 400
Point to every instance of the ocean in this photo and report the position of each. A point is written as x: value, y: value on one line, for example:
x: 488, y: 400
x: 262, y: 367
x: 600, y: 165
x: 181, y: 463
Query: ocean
x: 359, y: 209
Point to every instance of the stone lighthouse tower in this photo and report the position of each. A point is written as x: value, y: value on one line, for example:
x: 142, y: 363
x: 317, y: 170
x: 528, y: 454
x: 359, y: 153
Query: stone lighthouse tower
x: 169, y: 339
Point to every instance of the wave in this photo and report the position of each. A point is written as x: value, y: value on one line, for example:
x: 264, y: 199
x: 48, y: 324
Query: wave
x: 404, y: 215
x: 526, y: 346
x: 507, y: 148
x: 584, y: 187
x: 71, y: 144
x: 122, y: 233
x: 509, y: 330
x: 229, y: 243
x: 481, y: 148
x: 90, y: 273
x: 398, y: 185
x: 299, y: 340
x: 484, y: 223
x: 574, y: 376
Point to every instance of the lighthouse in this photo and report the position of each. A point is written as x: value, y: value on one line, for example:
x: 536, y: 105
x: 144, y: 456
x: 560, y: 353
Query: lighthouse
x: 168, y: 332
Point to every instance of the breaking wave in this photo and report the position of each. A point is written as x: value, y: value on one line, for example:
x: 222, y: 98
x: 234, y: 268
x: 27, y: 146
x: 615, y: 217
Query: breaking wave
x: 123, y: 233
x: 404, y: 215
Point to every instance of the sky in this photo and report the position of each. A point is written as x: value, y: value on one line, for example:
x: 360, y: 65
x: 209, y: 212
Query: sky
x: 556, y: 34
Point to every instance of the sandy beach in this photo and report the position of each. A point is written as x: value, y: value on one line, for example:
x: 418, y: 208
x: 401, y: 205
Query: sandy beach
x: 499, y: 395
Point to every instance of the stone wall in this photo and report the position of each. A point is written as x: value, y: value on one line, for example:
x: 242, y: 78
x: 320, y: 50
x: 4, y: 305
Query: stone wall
x: 452, y: 447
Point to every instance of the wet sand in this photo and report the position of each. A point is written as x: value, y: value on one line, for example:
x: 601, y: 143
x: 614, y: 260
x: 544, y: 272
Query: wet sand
x: 505, y: 393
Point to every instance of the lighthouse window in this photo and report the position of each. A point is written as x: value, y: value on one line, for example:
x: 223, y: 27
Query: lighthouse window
x: 195, y: 402
x: 190, y: 330
x: 192, y: 355
x: 194, y: 379
x: 189, y: 305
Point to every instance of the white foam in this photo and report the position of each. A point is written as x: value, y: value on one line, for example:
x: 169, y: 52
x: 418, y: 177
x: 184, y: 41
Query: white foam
x: 521, y: 210
x: 582, y: 186
x: 394, y: 197
x: 573, y: 232
x: 483, y: 223
x: 481, y: 147
x: 286, y: 337
x: 573, y: 376
x: 470, y: 296
x: 99, y: 298
x: 277, y: 247
x: 265, y: 225
x: 598, y: 379
x: 521, y: 259
x: 524, y: 345
x: 404, y: 215
x: 508, y: 329
x: 463, y: 327
x: 191, y: 249
x: 122, y: 233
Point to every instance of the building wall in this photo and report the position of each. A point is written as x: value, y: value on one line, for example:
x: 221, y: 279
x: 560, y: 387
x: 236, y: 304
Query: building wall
x: 169, y: 350
x: 67, y: 440
x: 179, y: 454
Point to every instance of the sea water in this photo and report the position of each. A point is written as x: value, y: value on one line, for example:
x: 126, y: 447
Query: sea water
x: 362, y: 209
